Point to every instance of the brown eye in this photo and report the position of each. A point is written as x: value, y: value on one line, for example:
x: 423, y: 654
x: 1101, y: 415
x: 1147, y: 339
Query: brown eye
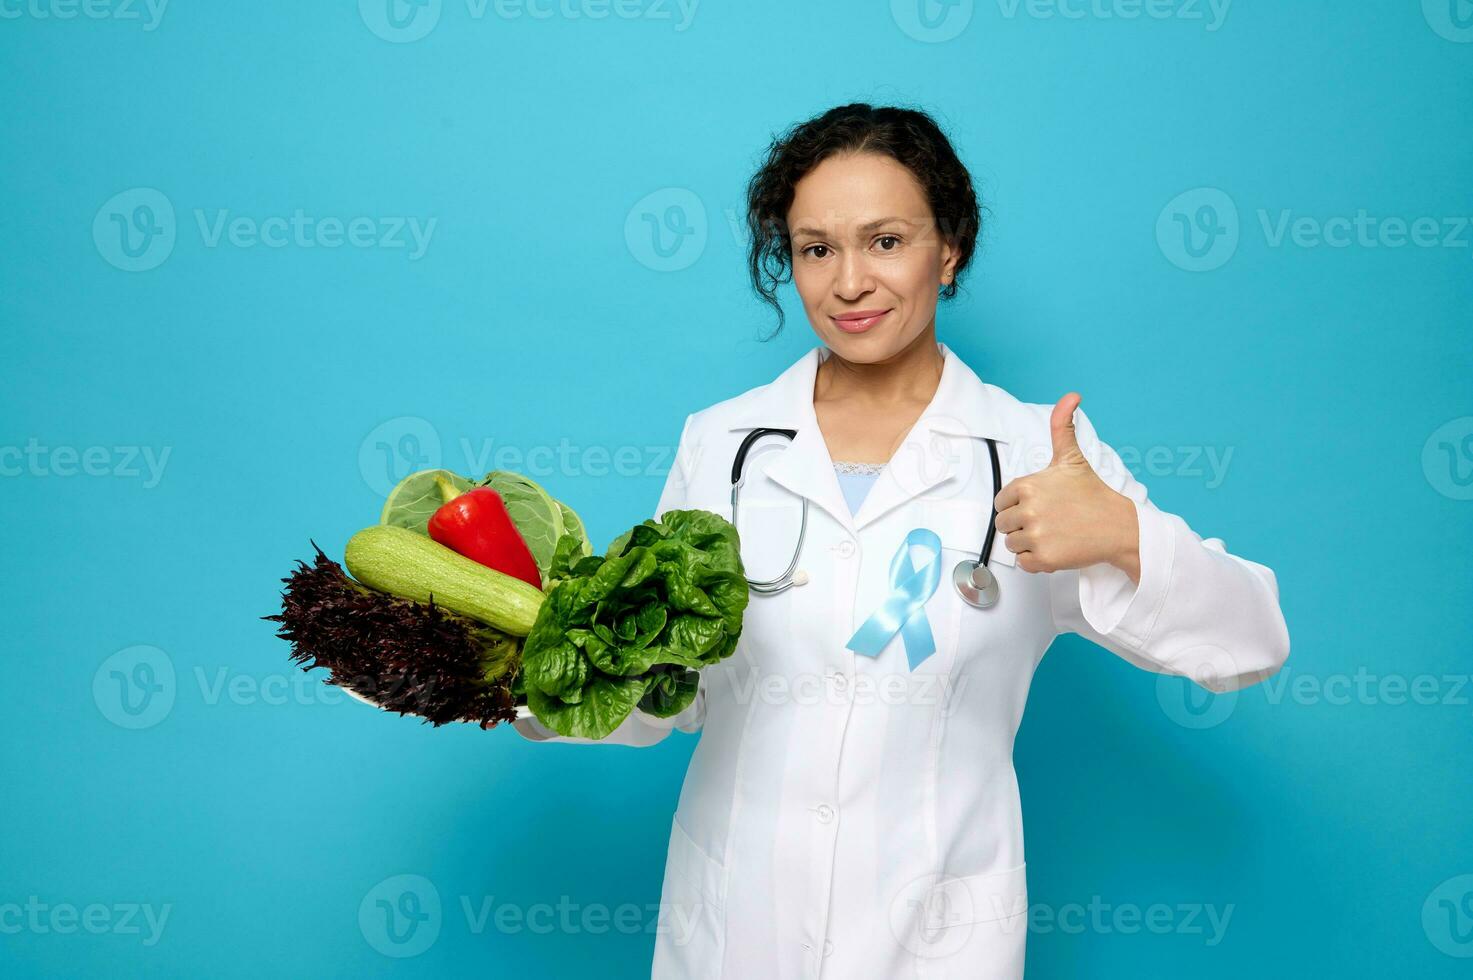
x: 889, y: 238
x: 810, y: 248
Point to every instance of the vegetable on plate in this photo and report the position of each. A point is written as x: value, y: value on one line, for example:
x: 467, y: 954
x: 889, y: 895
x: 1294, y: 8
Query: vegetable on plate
x: 474, y: 523
x: 452, y: 633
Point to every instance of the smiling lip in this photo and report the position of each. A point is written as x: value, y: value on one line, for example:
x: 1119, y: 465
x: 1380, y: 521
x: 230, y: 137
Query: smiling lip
x: 859, y: 321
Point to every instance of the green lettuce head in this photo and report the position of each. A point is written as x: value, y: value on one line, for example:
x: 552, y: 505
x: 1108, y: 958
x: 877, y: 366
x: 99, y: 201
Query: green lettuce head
x: 631, y: 628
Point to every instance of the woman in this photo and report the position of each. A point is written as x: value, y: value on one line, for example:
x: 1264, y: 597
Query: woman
x: 851, y: 808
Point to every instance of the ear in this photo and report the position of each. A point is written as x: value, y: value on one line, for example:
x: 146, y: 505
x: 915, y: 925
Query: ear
x: 949, y: 255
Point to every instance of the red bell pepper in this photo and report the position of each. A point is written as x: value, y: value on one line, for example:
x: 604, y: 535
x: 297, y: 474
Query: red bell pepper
x: 475, y: 524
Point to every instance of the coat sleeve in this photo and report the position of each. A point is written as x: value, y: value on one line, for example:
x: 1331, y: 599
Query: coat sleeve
x: 640, y: 729
x: 1197, y: 611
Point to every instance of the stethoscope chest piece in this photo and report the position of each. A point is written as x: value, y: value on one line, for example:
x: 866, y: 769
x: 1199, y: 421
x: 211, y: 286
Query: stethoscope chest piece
x: 975, y: 583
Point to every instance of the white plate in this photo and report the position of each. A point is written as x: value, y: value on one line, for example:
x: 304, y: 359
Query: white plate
x: 522, y: 710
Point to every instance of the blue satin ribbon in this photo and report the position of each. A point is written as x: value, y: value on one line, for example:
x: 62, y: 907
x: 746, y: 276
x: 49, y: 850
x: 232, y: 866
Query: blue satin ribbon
x: 903, y: 611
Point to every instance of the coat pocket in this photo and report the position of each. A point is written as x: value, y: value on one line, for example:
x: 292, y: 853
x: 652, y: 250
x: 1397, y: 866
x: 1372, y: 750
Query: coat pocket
x: 975, y: 926
x: 691, y: 930
x: 962, y: 629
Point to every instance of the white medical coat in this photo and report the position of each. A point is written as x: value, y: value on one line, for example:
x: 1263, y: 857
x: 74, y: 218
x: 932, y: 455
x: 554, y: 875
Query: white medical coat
x: 846, y: 817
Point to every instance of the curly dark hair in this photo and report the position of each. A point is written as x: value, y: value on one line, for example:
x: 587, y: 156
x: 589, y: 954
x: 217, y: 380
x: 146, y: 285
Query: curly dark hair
x: 909, y: 136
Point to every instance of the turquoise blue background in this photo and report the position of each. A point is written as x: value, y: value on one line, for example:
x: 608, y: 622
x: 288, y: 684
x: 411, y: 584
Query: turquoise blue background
x: 544, y: 309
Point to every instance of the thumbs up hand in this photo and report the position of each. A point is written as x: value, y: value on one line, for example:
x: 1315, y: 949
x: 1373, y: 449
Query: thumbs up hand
x: 1065, y: 516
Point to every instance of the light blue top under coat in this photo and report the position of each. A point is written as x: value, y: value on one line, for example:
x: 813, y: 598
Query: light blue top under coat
x: 855, y: 479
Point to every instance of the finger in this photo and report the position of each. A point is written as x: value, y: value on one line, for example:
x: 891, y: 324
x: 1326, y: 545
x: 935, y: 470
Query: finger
x: 1008, y: 496
x: 1061, y: 427
x: 1010, y: 520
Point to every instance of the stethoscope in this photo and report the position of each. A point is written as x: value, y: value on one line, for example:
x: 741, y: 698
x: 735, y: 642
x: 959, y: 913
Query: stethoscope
x: 973, y: 581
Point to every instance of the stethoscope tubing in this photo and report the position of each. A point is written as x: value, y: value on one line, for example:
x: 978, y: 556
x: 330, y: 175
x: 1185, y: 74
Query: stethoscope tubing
x: 784, y: 581
x: 986, y: 554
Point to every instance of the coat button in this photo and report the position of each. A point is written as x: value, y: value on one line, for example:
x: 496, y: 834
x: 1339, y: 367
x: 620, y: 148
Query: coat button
x: 845, y: 549
x: 840, y: 681
x: 825, y: 813
x: 828, y: 948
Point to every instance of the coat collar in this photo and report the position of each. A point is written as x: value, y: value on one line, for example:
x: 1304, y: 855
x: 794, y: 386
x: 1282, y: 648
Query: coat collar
x: 944, y: 442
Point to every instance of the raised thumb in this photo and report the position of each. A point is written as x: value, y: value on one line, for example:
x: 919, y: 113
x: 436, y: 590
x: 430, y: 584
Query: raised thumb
x: 1061, y: 428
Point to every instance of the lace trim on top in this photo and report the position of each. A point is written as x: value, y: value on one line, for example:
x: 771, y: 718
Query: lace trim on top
x: 864, y: 469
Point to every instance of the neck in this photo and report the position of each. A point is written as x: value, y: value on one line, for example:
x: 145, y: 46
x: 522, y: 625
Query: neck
x: 912, y: 374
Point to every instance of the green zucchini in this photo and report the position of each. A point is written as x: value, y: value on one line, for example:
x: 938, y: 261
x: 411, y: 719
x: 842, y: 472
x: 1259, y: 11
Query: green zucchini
x: 400, y: 562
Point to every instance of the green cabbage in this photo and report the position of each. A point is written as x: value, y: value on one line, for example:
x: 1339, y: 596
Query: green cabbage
x: 540, y: 518
x: 416, y: 498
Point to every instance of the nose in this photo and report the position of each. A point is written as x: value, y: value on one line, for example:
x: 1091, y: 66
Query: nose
x: 852, y: 278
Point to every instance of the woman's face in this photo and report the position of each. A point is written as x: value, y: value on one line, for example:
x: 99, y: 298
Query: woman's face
x: 865, y: 242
